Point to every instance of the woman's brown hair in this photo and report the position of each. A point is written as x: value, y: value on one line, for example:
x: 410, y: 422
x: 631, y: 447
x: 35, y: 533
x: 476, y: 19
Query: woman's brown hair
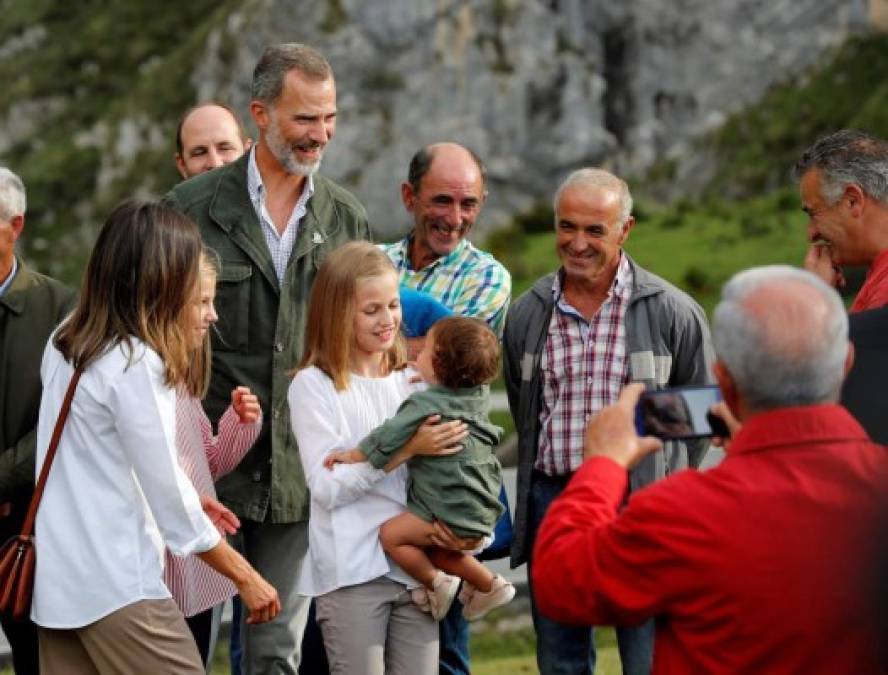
x: 329, y: 333
x: 140, y: 275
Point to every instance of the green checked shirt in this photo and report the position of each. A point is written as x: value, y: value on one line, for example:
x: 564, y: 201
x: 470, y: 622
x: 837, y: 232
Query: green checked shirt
x: 468, y: 281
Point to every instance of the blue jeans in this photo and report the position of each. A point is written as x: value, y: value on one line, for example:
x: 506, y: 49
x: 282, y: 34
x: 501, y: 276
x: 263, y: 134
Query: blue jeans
x: 453, y: 632
x: 569, y: 650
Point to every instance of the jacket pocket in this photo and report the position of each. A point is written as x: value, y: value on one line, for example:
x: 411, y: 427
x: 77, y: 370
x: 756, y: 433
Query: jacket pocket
x: 231, y: 331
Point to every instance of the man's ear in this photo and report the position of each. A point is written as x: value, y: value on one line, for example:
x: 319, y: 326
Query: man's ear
x: 408, y: 196
x: 259, y: 113
x: 248, y: 143
x: 728, y: 387
x: 627, y: 227
x: 17, y: 223
x: 849, y: 359
x: 854, y: 198
x: 180, y: 165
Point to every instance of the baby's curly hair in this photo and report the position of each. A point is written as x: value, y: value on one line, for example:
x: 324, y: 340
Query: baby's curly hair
x: 466, y: 352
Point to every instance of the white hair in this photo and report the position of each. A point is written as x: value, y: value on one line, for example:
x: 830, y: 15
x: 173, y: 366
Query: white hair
x: 782, y: 334
x: 598, y: 178
x: 12, y: 195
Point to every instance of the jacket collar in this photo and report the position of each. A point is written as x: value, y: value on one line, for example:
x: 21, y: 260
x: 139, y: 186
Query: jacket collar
x: 14, y: 298
x: 797, y: 425
x: 231, y: 209
x: 644, y: 283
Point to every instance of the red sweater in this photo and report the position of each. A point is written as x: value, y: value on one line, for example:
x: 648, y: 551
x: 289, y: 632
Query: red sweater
x: 874, y: 292
x: 764, y: 564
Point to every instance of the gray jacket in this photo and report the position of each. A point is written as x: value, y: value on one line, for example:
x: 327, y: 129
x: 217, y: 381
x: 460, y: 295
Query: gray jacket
x: 668, y: 344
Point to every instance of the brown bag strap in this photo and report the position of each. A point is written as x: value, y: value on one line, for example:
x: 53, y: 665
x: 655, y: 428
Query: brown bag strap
x: 28, y: 525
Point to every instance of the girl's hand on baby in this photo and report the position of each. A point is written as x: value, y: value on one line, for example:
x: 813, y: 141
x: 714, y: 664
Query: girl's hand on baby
x: 245, y: 404
x: 224, y: 520
x: 434, y: 437
x: 343, y: 457
x: 443, y: 537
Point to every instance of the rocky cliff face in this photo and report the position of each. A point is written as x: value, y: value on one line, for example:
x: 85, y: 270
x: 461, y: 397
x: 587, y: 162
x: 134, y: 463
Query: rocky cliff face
x: 536, y: 87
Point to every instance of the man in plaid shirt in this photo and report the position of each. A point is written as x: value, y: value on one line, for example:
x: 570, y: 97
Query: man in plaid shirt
x: 444, y: 192
x: 571, y: 343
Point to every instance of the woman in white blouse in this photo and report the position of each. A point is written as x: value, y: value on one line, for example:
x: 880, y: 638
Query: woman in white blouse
x: 351, y: 380
x: 115, y: 493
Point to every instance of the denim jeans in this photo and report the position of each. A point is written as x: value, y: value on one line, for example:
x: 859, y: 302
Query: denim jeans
x: 453, y: 631
x: 570, y: 650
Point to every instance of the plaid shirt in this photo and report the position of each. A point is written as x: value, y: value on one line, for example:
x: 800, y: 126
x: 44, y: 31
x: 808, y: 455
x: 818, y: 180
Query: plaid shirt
x: 280, y: 245
x: 584, y: 367
x: 468, y: 281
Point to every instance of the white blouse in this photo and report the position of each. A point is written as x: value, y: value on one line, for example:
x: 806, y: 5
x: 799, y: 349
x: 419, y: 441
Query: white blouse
x: 115, y: 492
x: 349, y: 503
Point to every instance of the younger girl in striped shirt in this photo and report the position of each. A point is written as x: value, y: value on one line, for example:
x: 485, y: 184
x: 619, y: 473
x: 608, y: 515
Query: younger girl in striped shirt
x: 196, y: 588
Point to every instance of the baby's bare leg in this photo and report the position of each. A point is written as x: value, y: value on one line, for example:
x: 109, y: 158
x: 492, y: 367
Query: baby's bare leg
x: 406, y: 538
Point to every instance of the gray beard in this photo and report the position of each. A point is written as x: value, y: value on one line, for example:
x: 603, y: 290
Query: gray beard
x: 284, y: 154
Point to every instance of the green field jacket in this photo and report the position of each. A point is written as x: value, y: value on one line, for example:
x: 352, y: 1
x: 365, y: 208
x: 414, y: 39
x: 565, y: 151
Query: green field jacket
x: 259, y: 337
x: 30, y: 309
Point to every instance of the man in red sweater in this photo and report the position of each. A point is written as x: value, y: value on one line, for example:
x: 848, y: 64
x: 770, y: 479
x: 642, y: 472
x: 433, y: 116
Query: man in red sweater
x: 843, y: 182
x: 772, y: 561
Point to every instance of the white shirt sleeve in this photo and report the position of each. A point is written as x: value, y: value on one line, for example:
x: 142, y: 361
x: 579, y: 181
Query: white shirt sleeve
x: 143, y: 408
x: 318, y: 426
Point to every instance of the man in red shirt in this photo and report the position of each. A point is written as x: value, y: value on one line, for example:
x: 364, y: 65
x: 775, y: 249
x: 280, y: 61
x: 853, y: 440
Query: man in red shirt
x: 767, y: 563
x: 844, y: 190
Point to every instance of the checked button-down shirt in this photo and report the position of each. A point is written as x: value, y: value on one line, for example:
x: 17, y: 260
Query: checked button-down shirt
x: 468, y: 281
x: 584, y: 367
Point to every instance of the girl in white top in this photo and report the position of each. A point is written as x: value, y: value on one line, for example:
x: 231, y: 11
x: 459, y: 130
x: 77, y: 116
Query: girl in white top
x: 115, y: 493
x: 352, y: 379
x: 198, y: 590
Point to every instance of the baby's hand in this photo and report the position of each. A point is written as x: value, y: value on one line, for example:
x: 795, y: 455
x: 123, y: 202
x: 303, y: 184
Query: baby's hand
x: 245, y: 404
x: 343, y: 457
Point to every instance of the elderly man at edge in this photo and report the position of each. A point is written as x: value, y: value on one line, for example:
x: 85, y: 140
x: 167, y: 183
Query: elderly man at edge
x: 31, y: 306
x: 272, y: 219
x: 571, y: 343
x: 772, y: 561
x: 843, y: 181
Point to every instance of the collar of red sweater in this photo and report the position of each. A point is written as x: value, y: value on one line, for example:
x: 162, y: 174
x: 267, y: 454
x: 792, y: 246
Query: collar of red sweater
x: 793, y: 426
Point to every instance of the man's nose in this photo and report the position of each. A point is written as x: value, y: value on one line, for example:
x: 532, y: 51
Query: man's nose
x: 214, y: 158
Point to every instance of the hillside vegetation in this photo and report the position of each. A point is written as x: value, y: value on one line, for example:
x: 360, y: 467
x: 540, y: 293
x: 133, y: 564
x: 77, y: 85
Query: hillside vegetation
x: 748, y: 212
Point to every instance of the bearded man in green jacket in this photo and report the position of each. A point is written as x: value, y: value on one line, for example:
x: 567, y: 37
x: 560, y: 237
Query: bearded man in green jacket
x: 272, y: 220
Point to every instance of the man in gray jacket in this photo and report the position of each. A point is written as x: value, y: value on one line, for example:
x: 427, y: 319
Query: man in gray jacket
x: 571, y: 343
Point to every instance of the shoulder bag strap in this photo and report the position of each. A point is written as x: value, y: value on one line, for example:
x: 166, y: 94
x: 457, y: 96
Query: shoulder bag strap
x: 28, y: 525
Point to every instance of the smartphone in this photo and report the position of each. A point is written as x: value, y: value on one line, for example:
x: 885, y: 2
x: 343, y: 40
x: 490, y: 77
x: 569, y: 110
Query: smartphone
x: 679, y: 413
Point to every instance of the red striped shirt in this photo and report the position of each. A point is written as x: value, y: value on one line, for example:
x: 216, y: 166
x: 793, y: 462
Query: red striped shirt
x: 204, y: 458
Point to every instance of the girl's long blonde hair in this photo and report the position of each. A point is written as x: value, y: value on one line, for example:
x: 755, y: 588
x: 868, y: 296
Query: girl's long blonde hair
x: 139, y: 279
x: 197, y: 379
x: 329, y: 334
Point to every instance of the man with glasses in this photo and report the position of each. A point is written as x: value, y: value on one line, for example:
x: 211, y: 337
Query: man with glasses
x: 444, y: 191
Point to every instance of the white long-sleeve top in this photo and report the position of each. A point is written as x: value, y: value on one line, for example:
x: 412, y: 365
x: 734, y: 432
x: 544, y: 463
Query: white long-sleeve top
x: 349, y: 503
x: 115, y: 492
x: 204, y: 458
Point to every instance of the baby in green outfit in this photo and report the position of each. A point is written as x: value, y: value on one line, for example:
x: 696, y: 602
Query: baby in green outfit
x: 460, y: 357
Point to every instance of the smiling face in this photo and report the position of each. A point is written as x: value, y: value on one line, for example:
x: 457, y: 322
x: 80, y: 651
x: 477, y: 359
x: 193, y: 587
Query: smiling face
x: 201, y: 310
x: 297, y: 127
x: 833, y: 225
x: 210, y: 137
x: 377, y: 317
x: 589, y: 233
x: 446, y: 204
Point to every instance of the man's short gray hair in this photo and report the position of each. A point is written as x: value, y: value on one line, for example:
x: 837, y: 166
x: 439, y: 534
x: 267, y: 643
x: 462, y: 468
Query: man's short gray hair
x: 12, y: 195
x: 845, y: 158
x: 782, y: 334
x: 597, y: 178
x: 278, y: 60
